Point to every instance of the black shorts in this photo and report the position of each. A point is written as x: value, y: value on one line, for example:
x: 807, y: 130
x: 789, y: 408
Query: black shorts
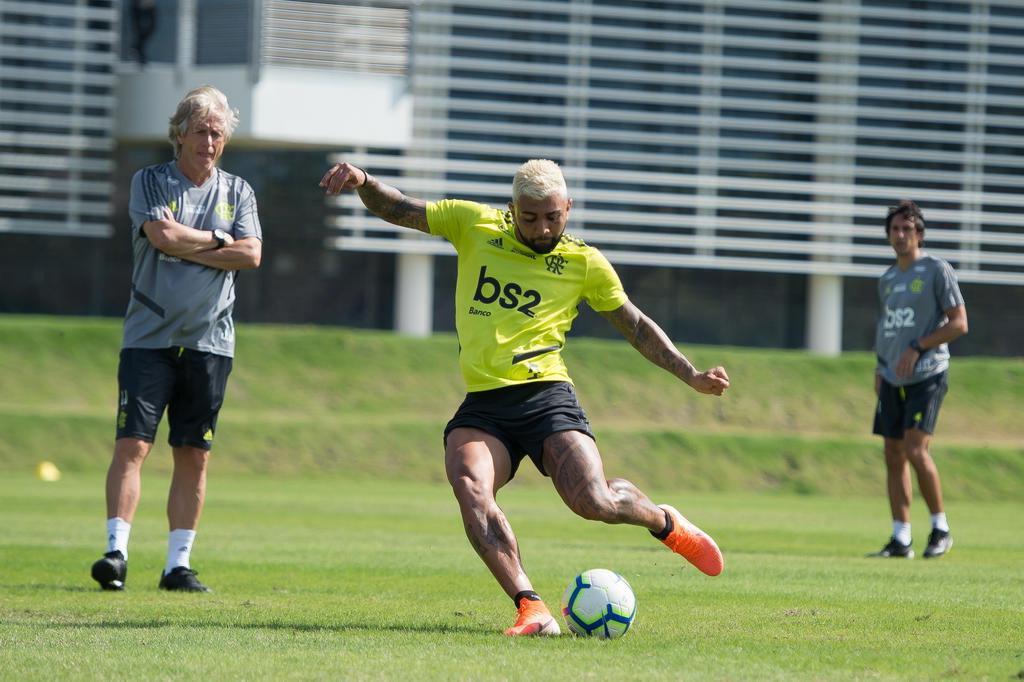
x: 522, y: 416
x: 915, y: 406
x: 189, y: 383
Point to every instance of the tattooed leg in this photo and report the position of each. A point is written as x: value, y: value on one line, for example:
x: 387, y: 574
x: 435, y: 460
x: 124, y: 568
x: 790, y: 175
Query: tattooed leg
x: 477, y: 465
x: 572, y: 460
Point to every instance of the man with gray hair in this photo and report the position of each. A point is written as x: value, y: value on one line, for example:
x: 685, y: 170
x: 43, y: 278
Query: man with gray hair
x: 520, y: 280
x: 193, y: 226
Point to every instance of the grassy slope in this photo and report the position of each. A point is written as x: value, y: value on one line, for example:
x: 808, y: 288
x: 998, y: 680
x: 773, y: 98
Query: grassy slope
x: 373, y: 404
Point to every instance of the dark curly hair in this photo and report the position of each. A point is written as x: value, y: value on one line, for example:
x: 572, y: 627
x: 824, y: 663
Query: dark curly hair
x: 908, y: 209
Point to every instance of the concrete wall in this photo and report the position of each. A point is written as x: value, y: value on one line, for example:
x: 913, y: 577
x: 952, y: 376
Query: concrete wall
x: 284, y: 106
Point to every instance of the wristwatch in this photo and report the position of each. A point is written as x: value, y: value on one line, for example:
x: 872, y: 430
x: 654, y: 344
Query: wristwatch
x: 221, y: 236
x: 916, y: 345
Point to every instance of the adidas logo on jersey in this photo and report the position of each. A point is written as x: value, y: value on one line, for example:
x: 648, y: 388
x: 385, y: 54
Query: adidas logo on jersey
x: 496, y: 242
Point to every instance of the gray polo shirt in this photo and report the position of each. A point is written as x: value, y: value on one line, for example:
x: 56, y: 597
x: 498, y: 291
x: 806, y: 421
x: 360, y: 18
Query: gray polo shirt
x: 912, y: 306
x: 175, y: 302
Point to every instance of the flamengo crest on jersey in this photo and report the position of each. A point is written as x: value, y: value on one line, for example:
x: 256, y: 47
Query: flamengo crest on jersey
x: 513, y: 307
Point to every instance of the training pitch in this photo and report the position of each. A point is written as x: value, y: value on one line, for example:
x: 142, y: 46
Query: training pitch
x: 341, y: 579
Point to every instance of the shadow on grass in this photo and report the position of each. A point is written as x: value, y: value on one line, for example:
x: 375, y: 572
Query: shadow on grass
x: 157, y: 623
x: 46, y: 587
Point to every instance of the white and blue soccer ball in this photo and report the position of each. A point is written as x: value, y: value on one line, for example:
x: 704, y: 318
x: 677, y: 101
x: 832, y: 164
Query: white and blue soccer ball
x: 599, y: 603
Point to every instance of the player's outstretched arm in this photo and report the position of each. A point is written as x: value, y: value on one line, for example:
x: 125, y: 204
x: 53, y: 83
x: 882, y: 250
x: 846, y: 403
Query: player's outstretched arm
x: 652, y: 342
x: 383, y: 201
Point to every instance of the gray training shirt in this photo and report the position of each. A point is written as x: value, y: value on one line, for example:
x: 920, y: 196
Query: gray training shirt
x: 912, y: 306
x: 176, y: 302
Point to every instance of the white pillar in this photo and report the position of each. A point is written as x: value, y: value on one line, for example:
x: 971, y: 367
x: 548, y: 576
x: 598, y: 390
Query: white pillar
x: 825, y: 314
x: 835, y: 160
x: 186, y: 52
x: 414, y: 294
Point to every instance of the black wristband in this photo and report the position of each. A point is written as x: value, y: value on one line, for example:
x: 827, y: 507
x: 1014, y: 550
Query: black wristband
x: 916, y: 345
x: 366, y: 178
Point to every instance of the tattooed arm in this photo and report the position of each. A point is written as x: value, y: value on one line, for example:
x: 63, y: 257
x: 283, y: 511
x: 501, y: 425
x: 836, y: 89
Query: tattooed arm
x: 384, y: 201
x: 648, y: 338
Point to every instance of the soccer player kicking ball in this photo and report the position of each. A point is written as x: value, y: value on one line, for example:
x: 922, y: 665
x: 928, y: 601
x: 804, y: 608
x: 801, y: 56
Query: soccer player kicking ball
x: 520, y: 280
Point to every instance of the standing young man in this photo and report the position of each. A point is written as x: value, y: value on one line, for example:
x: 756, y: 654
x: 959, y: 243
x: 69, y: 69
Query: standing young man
x: 922, y: 310
x: 520, y: 280
x: 193, y: 227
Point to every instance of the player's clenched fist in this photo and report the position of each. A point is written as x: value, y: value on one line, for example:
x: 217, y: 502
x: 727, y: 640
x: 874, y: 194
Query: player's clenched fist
x: 713, y: 381
x: 343, y: 176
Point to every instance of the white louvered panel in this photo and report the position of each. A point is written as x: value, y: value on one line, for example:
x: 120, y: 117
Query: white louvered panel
x: 11, y: 95
x: 56, y: 115
x: 417, y: 184
x: 337, y: 36
x: 758, y: 139
x: 34, y: 141
x: 55, y: 206
x: 48, y: 162
x: 55, y: 228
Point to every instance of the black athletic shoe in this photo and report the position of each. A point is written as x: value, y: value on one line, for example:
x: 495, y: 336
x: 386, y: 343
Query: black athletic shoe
x: 939, y: 542
x: 182, y: 579
x: 894, y: 550
x: 110, y: 571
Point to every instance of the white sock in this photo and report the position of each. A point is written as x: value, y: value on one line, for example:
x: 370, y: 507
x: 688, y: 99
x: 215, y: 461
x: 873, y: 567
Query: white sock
x: 179, y: 547
x: 939, y: 522
x: 117, y: 535
x: 901, y: 531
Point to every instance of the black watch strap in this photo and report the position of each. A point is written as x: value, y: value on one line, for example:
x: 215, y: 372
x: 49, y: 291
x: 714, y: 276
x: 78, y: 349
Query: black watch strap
x: 916, y: 345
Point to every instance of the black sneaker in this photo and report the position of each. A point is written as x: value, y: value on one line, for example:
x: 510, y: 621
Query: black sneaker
x: 894, y: 550
x: 939, y: 542
x: 110, y: 571
x: 182, y: 579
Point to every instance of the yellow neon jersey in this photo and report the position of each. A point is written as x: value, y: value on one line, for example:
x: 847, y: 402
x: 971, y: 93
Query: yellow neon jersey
x: 513, y: 307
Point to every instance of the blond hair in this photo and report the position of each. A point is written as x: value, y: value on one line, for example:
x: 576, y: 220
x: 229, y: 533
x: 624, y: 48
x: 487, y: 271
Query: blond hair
x: 198, y: 105
x: 538, y: 179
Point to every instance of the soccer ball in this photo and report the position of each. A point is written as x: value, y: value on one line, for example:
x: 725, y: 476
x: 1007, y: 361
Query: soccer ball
x: 599, y: 603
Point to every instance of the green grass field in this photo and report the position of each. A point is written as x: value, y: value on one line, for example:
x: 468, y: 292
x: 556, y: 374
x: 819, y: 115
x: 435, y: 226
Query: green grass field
x: 325, y: 578
x: 336, y: 549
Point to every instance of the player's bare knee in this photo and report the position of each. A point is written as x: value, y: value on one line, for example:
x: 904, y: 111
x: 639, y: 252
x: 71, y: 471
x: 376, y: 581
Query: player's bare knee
x: 187, y: 458
x: 918, y: 455
x: 595, y: 505
x: 895, y: 456
x: 469, y: 490
x: 130, y: 451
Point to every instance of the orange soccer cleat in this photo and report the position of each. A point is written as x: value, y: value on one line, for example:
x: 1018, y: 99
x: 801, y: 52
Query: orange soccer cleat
x: 534, y: 619
x: 693, y: 544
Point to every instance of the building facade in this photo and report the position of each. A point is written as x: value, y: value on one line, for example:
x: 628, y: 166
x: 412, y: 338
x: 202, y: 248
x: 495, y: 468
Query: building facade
x: 737, y: 136
x: 733, y: 158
